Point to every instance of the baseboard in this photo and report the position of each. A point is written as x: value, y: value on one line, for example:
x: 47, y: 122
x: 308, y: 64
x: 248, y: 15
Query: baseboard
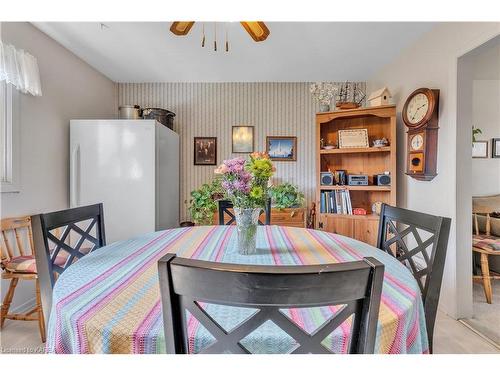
x: 485, y: 338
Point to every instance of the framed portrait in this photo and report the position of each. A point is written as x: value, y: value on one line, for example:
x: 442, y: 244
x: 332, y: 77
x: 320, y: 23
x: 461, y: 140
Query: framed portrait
x: 480, y: 149
x: 282, y: 148
x: 242, y: 139
x: 205, y: 151
x: 353, y: 138
x: 495, y: 147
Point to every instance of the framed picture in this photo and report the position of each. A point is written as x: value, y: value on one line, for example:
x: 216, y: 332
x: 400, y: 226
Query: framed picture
x: 242, y: 139
x: 205, y: 151
x: 480, y: 149
x: 282, y: 148
x: 353, y: 138
x: 495, y: 147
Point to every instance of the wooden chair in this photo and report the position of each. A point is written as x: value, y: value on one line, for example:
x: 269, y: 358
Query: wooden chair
x: 225, y: 207
x: 400, y: 234
x: 18, y: 263
x: 185, y: 283
x: 485, y: 245
x: 55, y: 253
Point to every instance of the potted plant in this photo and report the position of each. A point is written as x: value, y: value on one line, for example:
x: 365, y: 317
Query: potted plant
x: 475, y: 131
x: 245, y: 183
x: 286, y: 195
x: 203, y: 202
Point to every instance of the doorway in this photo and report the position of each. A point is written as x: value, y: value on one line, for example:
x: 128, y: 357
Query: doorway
x: 478, y: 104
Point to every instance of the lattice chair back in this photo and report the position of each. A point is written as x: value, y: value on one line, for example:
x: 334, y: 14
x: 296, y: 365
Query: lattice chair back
x: 208, y: 292
x: 225, y: 207
x: 17, y: 238
x: 419, y: 241
x: 60, y: 239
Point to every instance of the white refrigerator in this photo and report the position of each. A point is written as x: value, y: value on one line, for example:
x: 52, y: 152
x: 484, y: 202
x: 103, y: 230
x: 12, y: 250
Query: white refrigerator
x: 132, y: 167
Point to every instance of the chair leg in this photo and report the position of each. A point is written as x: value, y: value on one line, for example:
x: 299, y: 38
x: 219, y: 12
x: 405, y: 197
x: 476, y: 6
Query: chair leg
x: 485, y: 273
x: 8, y: 300
x: 41, y: 320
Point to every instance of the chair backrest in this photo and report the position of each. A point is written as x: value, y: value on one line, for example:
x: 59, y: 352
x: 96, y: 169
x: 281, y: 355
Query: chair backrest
x: 187, y: 285
x: 17, y: 237
x: 224, y: 209
x: 62, y: 237
x: 420, y: 242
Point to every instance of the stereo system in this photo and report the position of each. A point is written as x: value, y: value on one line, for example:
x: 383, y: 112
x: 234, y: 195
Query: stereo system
x: 339, y: 178
x: 382, y: 179
x: 326, y: 178
x: 357, y: 180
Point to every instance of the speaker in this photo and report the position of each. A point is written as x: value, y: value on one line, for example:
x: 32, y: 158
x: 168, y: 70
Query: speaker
x: 326, y: 178
x: 382, y: 179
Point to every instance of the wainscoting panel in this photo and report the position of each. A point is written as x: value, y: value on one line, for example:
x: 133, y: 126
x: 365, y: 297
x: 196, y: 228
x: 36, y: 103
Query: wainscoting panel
x: 211, y: 109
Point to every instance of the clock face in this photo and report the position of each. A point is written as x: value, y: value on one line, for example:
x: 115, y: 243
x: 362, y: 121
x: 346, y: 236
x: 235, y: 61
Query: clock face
x: 417, y: 142
x: 417, y: 108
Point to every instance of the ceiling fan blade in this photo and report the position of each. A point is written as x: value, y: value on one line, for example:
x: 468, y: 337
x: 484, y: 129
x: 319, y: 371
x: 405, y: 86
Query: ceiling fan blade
x: 181, y: 27
x: 257, y: 30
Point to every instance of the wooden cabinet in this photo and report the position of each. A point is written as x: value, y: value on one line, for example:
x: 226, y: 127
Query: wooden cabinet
x: 338, y: 225
x: 380, y: 122
x: 367, y: 230
x: 362, y: 228
x: 290, y: 217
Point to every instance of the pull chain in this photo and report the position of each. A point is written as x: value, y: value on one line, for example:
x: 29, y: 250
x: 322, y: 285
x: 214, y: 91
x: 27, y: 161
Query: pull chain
x: 203, y: 33
x: 227, y: 42
x: 215, y: 36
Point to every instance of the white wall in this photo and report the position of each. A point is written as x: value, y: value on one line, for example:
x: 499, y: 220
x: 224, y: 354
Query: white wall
x: 71, y: 89
x: 211, y: 109
x: 432, y: 62
x: 486, y: 116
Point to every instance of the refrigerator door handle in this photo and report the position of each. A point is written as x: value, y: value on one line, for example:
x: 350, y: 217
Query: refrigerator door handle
x: 75, y: 176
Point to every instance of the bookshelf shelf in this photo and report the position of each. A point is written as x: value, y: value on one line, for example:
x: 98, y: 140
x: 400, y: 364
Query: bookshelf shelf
x: 356, y: 188
x: 355, y: 150
x: 380, y: 123
x: 369, y: 216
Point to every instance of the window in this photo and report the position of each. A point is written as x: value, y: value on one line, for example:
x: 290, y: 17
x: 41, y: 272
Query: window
x: 9, y: 139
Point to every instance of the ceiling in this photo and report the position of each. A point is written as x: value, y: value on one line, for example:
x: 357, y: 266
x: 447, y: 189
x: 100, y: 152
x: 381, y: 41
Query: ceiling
x: 294, y: 51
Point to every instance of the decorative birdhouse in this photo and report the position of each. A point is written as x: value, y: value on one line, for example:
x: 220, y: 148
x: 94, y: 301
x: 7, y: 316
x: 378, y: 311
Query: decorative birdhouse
x: 379, y: 97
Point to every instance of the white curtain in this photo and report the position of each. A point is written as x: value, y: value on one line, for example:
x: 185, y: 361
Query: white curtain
x: 20, y: 69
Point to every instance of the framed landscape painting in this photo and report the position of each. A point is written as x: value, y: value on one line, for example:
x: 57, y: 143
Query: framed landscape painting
x: 242, y: 139
x: 282, y: 148
x: 205, y: 151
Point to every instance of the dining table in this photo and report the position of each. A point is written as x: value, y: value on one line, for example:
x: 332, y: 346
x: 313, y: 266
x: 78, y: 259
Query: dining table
x: 109, y: 300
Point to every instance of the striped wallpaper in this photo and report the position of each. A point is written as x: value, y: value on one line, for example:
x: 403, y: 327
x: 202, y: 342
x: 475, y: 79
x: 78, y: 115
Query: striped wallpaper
x: 211, y: 109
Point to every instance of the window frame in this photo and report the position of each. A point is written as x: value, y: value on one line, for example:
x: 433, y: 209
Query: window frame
x: 9, y: 139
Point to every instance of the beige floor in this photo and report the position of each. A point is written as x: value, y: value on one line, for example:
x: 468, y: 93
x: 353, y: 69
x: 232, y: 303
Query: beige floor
x: 450, y: 337
x: 486, y: 317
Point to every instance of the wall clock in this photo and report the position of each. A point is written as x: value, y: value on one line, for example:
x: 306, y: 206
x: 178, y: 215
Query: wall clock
x: 420, y: 115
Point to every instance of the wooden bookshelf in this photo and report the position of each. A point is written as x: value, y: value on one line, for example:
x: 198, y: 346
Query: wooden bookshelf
x: 380, y: 122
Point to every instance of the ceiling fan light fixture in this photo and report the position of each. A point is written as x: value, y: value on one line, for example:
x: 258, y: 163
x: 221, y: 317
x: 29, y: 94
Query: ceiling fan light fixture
x: 181, y: 27
x: 256, y: 29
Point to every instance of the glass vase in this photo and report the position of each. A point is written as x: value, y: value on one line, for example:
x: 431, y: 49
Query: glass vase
x: 247, y: 220
x: 324, y: 108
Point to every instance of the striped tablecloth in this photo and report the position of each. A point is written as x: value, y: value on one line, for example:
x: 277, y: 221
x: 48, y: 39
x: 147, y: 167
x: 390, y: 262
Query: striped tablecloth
x: 109, y: 301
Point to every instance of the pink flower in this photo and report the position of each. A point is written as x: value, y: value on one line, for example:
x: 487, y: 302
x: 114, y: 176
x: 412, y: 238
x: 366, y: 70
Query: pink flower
x: 221, y: 169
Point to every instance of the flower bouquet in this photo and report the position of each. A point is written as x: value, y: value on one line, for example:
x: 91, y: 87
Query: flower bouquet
x: 245, y: 183
x: 323, y: 92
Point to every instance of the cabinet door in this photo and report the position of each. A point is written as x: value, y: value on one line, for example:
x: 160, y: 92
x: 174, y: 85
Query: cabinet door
x: 291, y: 217
x: 366, y: 231
x: 338, y: 225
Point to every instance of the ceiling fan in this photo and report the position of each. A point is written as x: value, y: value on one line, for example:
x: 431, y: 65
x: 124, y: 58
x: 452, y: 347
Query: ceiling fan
x: 256, y: 29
